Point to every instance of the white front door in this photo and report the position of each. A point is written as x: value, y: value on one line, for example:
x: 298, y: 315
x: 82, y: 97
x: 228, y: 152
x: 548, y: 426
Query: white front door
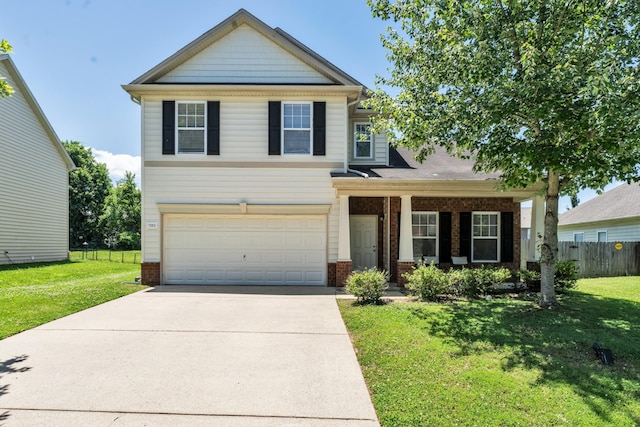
x: 364, y: 241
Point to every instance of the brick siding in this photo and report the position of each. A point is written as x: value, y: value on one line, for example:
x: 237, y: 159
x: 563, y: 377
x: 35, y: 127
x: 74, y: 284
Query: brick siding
x: 150, y: 273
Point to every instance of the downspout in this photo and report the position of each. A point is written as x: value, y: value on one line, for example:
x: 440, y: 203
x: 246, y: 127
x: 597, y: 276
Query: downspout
x: 362, y: 174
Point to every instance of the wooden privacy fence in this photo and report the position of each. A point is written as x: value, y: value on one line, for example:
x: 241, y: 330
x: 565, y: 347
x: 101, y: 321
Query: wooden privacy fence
x: 597, y: 259
x: 602, y: 259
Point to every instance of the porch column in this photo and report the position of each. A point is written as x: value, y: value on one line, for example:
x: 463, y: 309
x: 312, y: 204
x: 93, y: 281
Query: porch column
x: 343, y: 265
x: 537, y: 228
x: 405, y: 255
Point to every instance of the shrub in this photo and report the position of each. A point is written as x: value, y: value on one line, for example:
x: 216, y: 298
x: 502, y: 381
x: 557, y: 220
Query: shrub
x: 477, y: 281
x: 566, y: 275
x: 427, y: 282
x: 368, y: 285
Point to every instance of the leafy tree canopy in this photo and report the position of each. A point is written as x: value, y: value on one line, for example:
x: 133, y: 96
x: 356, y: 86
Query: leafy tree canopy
x: 5, y: 88
x: 540, y: 90
x: 120, y: 222
x: 89, y: 185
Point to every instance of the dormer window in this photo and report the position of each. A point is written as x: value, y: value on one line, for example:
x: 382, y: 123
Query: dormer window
x: 362, y: 141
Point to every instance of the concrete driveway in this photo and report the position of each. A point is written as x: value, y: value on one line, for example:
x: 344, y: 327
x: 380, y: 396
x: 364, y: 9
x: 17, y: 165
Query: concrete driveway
x: 223, y: 356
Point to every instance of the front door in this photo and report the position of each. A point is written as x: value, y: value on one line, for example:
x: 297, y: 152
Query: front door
x: 364, y: 241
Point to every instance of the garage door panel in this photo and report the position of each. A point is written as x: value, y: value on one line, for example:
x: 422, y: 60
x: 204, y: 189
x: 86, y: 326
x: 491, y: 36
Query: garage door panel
x: 215, y: 249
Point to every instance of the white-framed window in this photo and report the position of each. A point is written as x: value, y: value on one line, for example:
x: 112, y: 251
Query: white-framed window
x: 485, y: 237
x: 296, y: 127
x: 578, y: 237
x: 362, y: 141
x: 602, y: 236
x: 191, y: 117
x: 424, y: 228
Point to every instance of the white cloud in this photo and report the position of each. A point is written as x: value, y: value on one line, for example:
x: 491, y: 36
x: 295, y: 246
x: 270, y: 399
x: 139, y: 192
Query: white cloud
x: 118, y: 164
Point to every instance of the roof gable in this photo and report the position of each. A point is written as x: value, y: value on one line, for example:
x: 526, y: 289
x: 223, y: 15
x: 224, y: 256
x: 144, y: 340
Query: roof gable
x: 621, y: 202
x: 21, y: 86
x: 243, y: 49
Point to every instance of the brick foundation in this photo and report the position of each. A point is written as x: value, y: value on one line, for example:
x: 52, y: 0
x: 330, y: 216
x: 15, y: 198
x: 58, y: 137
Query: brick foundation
x: 331, y: 274
x: 150, y: 273
x: 404, y: 267
x: 343, y: 270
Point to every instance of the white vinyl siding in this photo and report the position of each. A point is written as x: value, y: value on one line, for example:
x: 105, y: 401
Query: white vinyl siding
x: 34, y: 203
x: 244, y: 56
x: 620, y: 230
x: 244, y: 129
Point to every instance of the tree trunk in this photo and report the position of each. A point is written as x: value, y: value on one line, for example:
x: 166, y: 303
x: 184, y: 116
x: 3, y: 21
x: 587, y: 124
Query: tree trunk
x: 549, y: 249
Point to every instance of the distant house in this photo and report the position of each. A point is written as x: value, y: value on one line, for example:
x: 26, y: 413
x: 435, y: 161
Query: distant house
x: 525, y: 222
x: 613, y: 216
x: 34, y: 178
x: 260, y: 167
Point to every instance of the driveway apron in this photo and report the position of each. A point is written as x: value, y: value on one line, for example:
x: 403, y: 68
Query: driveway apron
x: 224, y: 356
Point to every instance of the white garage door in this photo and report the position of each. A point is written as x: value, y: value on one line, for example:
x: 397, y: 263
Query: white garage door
x: 245, y: 250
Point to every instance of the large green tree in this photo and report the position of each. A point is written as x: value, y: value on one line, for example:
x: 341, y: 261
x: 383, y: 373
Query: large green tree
x: 544, y: 91
x: 89, y: 186
x: 5, y: 88
x: 120, y: 222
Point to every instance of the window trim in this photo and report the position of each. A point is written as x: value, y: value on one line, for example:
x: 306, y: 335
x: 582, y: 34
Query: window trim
x: 283, y: 128
x: 355, y: 141
x: 606, y: 236
x: 436, y: 238
x: 497, y: 237
x: 178, y: 128
x: 576, y: 233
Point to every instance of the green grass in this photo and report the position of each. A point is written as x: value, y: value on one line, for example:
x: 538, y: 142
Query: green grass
x: 504, y: 362
x: 33, y: 294
x: 132, y: 257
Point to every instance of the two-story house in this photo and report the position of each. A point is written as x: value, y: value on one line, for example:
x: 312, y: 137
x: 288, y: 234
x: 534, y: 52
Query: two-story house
x: 259, y: 167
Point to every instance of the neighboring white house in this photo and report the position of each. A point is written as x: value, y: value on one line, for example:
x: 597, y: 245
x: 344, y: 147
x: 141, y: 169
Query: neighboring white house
x: 613, y: 216
x: 259, y: 167
x: 34, y: 179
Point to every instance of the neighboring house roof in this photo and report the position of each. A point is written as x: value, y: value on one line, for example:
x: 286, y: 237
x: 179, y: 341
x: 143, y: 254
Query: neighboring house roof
x: 21, y: 86
x: 276, y: 35
x: 439, y: 166
x: 621, y: 202
x: 525, y: 217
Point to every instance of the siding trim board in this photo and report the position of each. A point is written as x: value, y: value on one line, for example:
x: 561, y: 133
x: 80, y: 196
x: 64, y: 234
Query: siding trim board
x: 219, y: 164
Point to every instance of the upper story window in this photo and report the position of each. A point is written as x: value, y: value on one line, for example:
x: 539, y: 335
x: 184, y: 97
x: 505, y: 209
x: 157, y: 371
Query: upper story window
x: 424, y: 228
x: 296, y: 127
x: 191, y: 119
x: 362, y: 141
x: 485, y: 237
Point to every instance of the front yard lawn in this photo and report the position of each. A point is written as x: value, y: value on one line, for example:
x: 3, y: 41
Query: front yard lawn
x: 504, y: 362
x: 33, y: 294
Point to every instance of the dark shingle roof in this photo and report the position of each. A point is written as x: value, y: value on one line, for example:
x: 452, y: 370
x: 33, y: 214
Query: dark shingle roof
x: 620, y: 202
x: 438, y: 166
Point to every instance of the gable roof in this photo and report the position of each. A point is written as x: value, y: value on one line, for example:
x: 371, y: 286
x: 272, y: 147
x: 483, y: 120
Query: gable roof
x: 21, y: 86
x: 621, y: 202
x: 276, y: 35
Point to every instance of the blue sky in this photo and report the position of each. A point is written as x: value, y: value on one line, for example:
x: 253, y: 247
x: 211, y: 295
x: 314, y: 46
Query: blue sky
x: 75, y: 54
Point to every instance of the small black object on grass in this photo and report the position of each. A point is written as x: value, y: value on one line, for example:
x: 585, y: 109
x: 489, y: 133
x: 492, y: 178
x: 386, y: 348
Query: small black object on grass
x: 605, y: 354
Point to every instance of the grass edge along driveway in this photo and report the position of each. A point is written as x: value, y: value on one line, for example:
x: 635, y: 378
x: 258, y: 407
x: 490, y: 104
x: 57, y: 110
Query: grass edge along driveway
x: 34, y: 294
x: 503, y: 362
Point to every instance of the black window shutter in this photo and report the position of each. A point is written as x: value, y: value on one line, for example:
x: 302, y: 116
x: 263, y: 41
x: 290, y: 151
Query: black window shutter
x: 168, y: 127
x: 213, y: 128
x: 444, y: 236
x: 506, y: 237
x: 319, y: 125
x: 465, y: 234
x: 274, y: 128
